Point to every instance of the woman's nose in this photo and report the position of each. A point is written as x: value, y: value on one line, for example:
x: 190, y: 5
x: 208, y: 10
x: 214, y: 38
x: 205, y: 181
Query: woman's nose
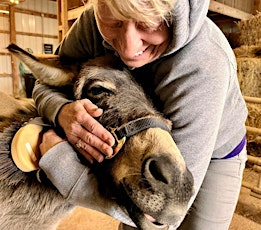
x: 130, y: 39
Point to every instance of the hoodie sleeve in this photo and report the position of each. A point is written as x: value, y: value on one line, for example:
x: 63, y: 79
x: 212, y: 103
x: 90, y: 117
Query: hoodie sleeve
x: 49, y: 101
x: 77, y: 183
x: 82, y: 42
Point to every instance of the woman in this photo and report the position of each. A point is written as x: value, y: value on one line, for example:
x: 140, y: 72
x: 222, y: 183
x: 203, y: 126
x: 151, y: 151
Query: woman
x: 185, y: 64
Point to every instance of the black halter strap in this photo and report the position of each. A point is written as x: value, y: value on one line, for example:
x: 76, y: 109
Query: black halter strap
x: 136, y: 126
x: 133, y: 127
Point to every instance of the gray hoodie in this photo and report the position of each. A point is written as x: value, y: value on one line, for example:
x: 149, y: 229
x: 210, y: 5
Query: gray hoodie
x: 194, y: 83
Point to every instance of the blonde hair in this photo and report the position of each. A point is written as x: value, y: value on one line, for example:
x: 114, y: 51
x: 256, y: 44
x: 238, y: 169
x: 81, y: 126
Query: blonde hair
x: 150, y: 12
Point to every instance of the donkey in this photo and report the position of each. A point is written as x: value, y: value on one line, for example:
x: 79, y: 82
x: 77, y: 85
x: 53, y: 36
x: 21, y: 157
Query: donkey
x: 148, y: 176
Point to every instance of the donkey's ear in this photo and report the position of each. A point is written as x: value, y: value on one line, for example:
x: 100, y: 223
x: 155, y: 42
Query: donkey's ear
x: 50, y: 70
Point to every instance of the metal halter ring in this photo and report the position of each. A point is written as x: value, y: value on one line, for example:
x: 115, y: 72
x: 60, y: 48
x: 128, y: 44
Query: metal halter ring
x: 79, y: 144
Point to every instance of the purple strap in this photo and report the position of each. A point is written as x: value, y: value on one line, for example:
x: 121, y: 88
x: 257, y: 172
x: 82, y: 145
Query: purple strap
x: 236, y: 150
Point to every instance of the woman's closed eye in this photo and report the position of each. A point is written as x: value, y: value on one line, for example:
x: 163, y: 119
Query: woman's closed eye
x: 148, y: 28
x: 113, y: 23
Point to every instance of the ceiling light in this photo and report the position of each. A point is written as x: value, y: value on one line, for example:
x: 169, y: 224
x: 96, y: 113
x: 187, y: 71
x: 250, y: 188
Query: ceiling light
x: 14, y: 1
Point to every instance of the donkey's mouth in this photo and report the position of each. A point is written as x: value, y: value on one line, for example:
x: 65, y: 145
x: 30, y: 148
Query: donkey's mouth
x: 144, y: 221
x: 153, y: 221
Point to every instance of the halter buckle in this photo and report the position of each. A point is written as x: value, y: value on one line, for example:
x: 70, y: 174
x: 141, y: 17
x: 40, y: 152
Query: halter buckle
x: 118, y: 143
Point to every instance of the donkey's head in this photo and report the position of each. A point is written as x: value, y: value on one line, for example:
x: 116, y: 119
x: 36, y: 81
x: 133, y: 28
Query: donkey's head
x: 148, y: 175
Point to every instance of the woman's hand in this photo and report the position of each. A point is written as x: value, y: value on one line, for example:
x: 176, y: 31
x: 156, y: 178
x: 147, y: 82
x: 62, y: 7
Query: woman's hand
x: 92, y: 140
x: 49, y: 140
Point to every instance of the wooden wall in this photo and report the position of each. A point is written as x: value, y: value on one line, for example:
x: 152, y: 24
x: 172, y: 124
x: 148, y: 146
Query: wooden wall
x: 29, y: 24
x: 244, y: 5
x: 226, y: 14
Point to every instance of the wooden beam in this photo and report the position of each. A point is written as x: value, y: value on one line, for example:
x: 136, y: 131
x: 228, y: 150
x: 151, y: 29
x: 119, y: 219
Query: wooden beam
x: 5, y: 53
x: 64, y: 17
x: 4, y: 32
x: 37, y: 35
x: 14, y: 63
x: 30, y: 12
x: 257, y: 6
x: 254, y: 130
x: 252, y: 99
x: 5, y: 75
x: 75, y: 13
x: 228, y: 11
x: 255, y: 160
x: 35, y: 13
x: 46, y: 56
x: 4, y: 8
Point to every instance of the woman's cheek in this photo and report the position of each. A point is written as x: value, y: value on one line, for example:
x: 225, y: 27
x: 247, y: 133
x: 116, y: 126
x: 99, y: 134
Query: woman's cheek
x: 108, y: 33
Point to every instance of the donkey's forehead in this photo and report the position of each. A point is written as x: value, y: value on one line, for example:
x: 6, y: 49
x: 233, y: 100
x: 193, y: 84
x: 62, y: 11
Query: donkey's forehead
x: 104, y: 73
x: 101, y: 76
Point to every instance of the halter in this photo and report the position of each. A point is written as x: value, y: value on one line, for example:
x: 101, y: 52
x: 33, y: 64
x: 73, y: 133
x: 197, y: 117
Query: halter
x: 133, y: 127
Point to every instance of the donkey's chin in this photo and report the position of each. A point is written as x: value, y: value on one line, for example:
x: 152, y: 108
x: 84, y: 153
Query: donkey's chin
x: 145, y: 221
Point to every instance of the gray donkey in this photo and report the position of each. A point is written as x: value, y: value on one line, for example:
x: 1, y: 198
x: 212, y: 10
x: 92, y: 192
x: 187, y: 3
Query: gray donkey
x: 148, y: 174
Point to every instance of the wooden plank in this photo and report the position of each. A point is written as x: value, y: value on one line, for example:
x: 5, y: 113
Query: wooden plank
x: 255, y: 160
x: 252, y: 99
x: 246, y: 6
x: 4, y: 8
x: 72, y: 4
x: 5, y: 53
x: 45, y: 56
x: 15, y: 72
x: 64, y: 17
x: 3, y: 14
x: 4, y: 31
x: 30, y: 12
x: 75, y: 13
x: 228, y: 11
x: 37, y: 35
x: 5, y: 75
x: 254, y: 130
x: 35, y: 13
x: 257, y: 6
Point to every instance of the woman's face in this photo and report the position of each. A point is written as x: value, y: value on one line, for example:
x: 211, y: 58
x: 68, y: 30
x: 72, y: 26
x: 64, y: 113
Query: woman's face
x: 136, y: 43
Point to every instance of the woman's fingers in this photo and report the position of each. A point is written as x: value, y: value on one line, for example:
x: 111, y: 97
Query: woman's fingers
x: 93, y: 126
x: 77, y: 120
x: 50, y: 139
x: 85, y: 150
x: 89, y: 139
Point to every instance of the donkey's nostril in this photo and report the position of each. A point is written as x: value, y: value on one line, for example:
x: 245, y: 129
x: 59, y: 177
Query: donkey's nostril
x: 157, y: 171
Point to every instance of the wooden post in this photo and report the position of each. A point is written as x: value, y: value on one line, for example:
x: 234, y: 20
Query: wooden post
x: 257, y: 6
x: 14, y: 63
x: 62, y: 14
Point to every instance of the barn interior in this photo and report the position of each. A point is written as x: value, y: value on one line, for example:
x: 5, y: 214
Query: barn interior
x: 39, y: 25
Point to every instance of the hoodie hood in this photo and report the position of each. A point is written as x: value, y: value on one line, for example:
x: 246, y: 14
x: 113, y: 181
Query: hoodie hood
x: 188, y: 18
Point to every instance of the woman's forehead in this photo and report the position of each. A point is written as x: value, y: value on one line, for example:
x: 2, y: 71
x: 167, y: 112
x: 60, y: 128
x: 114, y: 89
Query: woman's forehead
x: 105, y: 11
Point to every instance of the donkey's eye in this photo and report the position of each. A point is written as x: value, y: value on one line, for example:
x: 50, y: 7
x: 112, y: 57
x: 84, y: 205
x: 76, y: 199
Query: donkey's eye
x: 98, y: 90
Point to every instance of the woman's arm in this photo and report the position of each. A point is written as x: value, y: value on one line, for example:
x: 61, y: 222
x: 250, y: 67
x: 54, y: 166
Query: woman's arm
x: 82, y: 42
x: 74, y: 180
x: 49, y: 101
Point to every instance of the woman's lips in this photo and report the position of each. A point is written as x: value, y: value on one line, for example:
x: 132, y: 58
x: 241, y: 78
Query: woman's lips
x: 138, y: 53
